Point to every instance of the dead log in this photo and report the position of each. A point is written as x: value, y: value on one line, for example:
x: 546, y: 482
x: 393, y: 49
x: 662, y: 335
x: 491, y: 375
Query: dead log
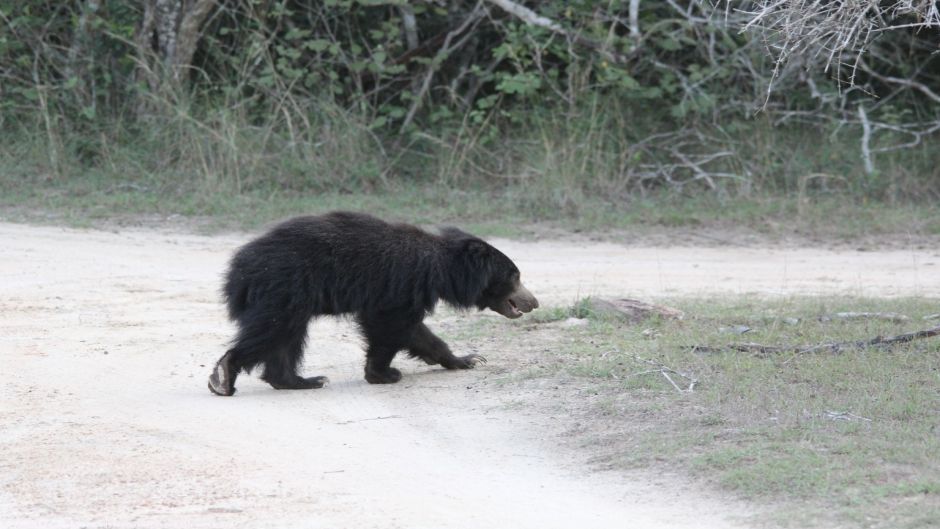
x: 632, y: 310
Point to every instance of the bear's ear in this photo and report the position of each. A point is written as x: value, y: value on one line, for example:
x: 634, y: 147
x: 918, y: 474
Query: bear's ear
x: 468, y: 246
x: 476, y: 250
x: 451, y: 233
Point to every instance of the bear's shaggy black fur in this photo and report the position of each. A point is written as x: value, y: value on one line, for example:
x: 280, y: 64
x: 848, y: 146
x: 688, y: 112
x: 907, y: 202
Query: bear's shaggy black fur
x: 387, y: 276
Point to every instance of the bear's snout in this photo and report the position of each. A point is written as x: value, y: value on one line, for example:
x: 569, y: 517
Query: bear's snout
x: 523, y: 299
x: 517, y: 303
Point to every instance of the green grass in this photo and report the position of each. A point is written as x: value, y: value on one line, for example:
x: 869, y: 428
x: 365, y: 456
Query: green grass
x: 100, y: 200
x: 215, y: 168
x: 850, y: 438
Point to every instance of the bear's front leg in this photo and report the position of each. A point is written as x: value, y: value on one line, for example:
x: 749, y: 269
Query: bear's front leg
x: 386, y: 333
x: 427, y: 346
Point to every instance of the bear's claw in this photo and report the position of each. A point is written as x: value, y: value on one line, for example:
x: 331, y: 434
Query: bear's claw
x: 476, y: 359
x: 470, y: 361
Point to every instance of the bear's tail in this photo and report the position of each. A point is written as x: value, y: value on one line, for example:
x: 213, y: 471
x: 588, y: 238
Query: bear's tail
x: 236, y: 295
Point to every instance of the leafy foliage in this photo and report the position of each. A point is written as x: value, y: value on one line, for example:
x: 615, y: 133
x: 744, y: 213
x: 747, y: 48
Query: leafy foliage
x: 422, y: 79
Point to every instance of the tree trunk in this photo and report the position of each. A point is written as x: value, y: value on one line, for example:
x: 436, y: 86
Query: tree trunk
x: 79, y: 59
x: 188, y: 34
x: 167, y: 39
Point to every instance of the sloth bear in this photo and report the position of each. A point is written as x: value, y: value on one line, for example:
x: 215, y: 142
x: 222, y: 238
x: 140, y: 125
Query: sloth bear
x: 387, y: 276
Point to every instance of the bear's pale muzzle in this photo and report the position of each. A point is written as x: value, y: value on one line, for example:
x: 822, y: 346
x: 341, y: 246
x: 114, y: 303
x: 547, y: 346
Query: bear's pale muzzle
x: 517, y: 303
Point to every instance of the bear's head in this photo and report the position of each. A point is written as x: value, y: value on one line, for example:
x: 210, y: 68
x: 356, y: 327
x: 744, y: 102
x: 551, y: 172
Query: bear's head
x: 484, y: 277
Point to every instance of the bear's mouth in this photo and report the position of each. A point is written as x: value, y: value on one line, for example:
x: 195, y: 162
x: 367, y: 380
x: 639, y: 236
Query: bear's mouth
x: 508, y: 308
x: 517, y: 303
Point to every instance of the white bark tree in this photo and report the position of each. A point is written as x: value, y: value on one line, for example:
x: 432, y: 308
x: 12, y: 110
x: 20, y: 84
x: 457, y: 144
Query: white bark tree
x: 167, y: 38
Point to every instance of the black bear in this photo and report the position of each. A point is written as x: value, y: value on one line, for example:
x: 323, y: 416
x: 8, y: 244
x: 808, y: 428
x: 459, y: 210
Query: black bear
x: 387, y: 276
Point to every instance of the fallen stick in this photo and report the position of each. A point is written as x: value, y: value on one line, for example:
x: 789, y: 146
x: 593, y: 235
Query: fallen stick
x: 831, y: 347
x: 741, y: 347
x: 665, y: 370
x: 890, y: 316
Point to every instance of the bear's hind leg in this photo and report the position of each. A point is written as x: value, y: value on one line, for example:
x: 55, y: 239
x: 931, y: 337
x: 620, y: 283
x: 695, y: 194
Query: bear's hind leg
x: 427, y: 346
x: 222, y: 378
x: 247, y: 352
x: 280, y: 368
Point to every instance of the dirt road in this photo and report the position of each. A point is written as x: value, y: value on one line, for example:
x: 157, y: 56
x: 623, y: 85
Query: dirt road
x: 106, y: 340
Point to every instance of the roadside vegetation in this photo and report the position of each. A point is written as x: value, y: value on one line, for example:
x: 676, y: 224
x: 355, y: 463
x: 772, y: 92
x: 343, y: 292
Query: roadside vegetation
x: 588, y: 115
x: 819, y: 439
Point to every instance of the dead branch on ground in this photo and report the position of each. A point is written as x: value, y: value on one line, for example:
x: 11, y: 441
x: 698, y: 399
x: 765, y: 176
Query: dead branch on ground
x: 830, y: 347
x: 853, y: 315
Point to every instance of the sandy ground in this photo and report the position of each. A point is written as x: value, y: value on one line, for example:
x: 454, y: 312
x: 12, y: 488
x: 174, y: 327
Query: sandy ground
x: 106, y: 340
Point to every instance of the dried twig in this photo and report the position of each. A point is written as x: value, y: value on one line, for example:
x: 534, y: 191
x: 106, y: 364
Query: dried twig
x: 820, y: 28
x: 677, y: 159
x: 665, y: 370
x: 845, y: 416
x: 921, y: 87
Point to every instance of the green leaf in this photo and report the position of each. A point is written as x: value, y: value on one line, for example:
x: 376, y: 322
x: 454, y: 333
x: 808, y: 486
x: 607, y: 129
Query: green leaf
x: 317, y: 45
x: 294, y: 34
x: 668, y: 44
x: 521, y: 83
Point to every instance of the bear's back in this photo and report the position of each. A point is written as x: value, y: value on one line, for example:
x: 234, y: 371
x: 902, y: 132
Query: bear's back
x: 339, y: 263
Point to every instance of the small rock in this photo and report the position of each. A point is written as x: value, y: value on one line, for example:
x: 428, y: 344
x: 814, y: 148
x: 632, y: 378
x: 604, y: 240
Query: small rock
x: 574, y: 322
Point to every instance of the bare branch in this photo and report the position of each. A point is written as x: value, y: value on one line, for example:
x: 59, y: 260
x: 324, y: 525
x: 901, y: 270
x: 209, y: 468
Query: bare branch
x: 634, y: 14
x: 446, y: 49
x: 924, y: 89
x: 528, y: 16
x: 532, y: 18
x: 410, y: 25
x: 866, y: 140
x: 817, y: 28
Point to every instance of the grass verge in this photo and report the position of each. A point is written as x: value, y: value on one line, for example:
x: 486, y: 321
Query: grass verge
x: 849, y: 439
x: 103, y: 201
